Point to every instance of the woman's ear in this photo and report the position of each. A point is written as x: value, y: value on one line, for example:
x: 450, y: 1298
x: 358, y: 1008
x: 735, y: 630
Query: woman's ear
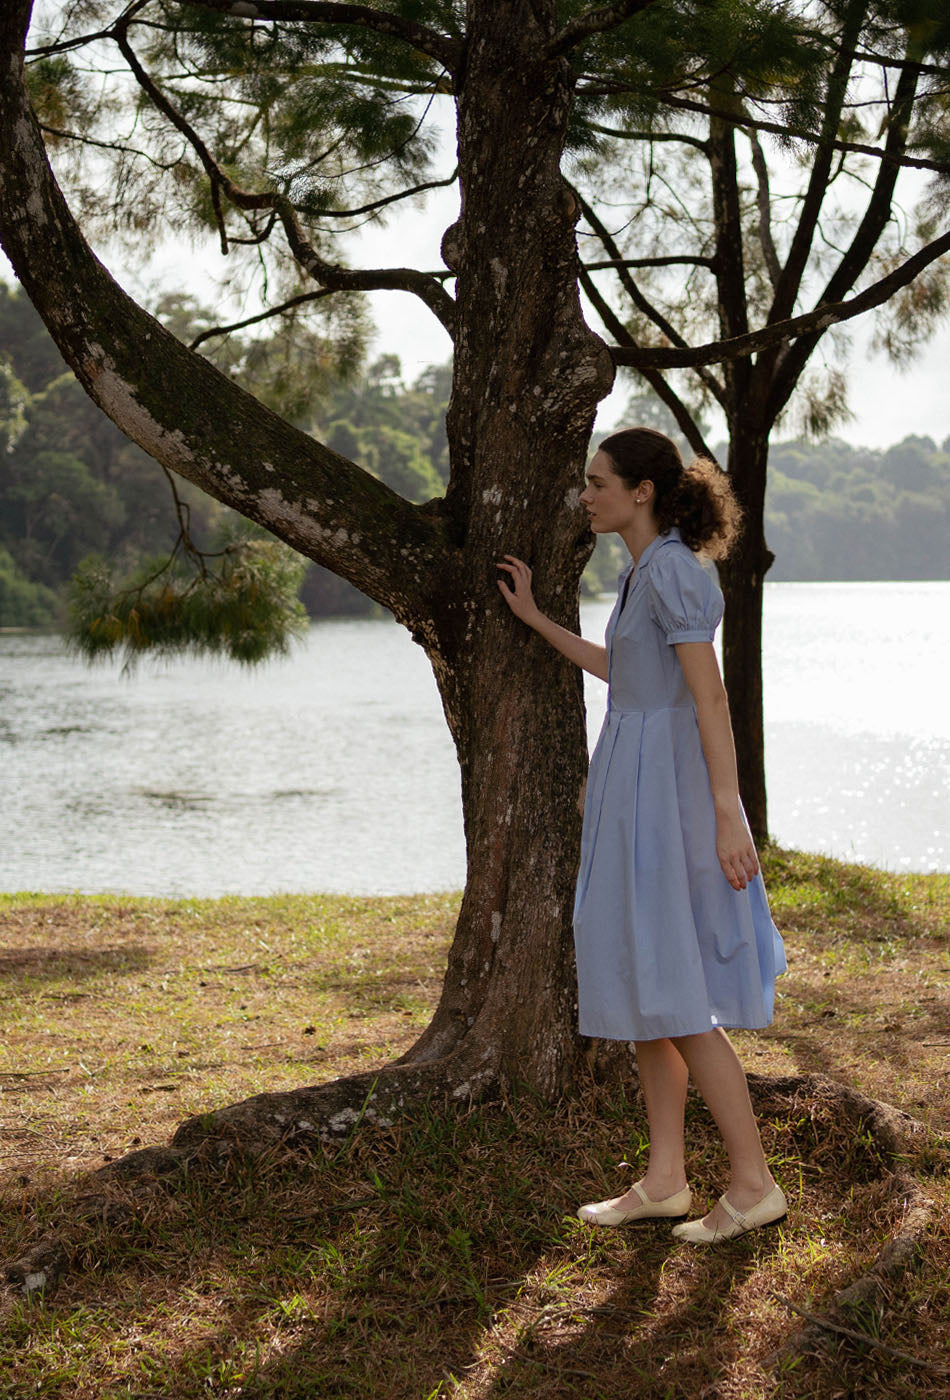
x: 644, y: 492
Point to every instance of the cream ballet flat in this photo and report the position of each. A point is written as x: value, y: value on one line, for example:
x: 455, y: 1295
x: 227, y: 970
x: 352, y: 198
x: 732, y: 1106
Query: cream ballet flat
x: 770, y: 1209
x: 670, y: 1208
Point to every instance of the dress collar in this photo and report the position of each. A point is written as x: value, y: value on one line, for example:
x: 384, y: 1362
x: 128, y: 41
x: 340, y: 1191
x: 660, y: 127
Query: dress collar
x: 671, y: 534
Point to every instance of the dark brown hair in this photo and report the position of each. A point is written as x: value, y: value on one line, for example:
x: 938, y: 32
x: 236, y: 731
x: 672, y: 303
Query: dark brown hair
x: 698, y: 499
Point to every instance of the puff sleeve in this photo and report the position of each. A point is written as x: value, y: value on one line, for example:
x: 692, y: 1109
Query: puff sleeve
x: 685, y: 602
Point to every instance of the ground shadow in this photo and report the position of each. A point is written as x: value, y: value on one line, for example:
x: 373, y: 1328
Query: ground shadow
x: 443, y: 1249
x: 52, y: 964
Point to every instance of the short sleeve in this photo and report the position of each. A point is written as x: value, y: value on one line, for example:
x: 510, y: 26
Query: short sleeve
x: 685, y: 602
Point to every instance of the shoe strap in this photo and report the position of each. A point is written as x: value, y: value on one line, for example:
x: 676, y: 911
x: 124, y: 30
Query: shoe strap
x: 734, y: 1213
x: 644, y: 1198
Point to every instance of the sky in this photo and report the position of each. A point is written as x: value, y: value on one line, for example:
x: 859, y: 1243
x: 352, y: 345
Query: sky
x: 887, y: 403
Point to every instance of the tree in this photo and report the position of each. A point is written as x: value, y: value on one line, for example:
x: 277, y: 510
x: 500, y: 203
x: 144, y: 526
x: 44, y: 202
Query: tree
x: 713, y: 243
x: 528, y: 374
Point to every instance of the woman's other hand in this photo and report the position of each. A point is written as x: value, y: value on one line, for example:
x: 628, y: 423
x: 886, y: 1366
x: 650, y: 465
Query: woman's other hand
x: 736, y: 851
x: 517, y: 594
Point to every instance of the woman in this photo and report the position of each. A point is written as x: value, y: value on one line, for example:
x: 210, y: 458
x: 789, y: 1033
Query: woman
x: 672, y: 929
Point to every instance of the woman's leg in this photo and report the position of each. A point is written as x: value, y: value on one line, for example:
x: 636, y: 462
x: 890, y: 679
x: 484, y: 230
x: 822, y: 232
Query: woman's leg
x: 720, y: 1078
x: 663, y: 1078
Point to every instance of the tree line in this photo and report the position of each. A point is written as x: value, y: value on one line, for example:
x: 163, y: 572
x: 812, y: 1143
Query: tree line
x: 72, y: 485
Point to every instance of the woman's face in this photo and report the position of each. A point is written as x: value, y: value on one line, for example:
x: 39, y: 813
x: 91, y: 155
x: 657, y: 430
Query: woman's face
x: 607, y: 498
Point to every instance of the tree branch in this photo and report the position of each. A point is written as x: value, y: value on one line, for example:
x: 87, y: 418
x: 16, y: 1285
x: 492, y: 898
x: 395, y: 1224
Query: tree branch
x: 329, y: 275
x: 731, y: 289
x: 697, y: 142
x: 810, y: 323
x: 636, y: 296
x: 663, y: 390
x: 745, y: 122
x: 389, y: 199
x: 683, y: 260
x: 764, y: 202
x: 790, y: 278
x: 862, y: 245
x: 187, y: 415
x: 447, y: 50
x: 81, y: 40
x: 593, y: 21
x: 261, y: 316
x: 107, y: 146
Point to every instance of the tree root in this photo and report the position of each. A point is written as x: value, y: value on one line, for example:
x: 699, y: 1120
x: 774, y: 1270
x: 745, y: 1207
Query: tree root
x: 248, y: 1129
x: 864, y: 1338
x: 325, y: 1112
x: 328, y: 1112
x: 898, y: 1254
x: 894, y: 1133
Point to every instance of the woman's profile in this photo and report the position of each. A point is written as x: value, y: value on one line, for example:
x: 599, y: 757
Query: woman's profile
x: 673, y: 934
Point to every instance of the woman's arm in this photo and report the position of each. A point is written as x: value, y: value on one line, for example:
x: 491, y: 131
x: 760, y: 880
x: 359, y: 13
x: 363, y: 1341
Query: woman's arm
x: 520, y: 600
x: 734, y: 845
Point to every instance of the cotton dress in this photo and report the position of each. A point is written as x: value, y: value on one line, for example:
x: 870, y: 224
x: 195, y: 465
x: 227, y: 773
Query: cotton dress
x: 665, y: 945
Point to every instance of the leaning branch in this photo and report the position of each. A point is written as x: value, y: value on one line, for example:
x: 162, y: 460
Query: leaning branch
x: 824, y: 315
x: 447, y: 50
x: 641, y: 302
x: 683, y: 260
x: 330, y: 275
x: 622, y: 134
x: 764, y: 205
x: 660, y: 386
x: 81, y: 40
x: 390, y: 198
x: 176, y: 405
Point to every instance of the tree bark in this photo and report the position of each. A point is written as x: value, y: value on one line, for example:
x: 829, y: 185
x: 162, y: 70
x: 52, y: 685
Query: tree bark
x: 742, y: 576
x: 528, y: 375
x: 743, y: 573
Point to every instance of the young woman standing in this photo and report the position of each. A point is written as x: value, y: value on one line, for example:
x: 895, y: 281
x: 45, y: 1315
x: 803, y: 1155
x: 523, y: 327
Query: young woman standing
x: 673, y: 933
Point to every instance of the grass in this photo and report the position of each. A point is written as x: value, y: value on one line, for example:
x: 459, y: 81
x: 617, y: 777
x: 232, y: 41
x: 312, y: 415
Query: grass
x: 440, y: 1257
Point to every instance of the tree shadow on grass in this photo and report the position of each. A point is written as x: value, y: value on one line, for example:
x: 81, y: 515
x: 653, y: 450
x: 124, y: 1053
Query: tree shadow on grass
x: 657, y: 1331
x: 27, y: 966
x: 442, y: 1247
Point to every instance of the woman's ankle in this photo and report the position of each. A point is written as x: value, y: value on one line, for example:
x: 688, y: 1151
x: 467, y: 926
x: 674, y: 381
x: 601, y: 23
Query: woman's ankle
x: 660, y: 1183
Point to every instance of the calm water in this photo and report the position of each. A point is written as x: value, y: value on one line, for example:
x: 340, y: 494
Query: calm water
x: 333, y: 770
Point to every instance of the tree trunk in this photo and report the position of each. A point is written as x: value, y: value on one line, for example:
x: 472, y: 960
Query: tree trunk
x: 528, y: 376
x: 743, y: 573
x: 742, y: 576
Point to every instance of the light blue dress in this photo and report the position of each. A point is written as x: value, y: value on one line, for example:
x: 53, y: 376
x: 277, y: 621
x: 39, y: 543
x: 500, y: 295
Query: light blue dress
x: 665, y: 945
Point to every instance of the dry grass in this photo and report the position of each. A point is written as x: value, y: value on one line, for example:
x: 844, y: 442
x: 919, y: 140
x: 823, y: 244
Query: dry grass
x: 440, y: 1257
x: 121, y: 1017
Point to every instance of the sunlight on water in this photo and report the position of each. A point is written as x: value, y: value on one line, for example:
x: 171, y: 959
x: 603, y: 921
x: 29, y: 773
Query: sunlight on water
x: 334, y: 770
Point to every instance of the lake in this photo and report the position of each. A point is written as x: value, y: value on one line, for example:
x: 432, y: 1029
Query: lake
x: 333, y: 769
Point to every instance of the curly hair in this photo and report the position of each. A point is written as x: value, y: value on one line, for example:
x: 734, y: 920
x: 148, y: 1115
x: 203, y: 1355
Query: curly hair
x: 698, y: 498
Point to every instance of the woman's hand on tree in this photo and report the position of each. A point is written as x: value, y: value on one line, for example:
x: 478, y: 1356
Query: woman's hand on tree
x: 517, y: 594
x: 736, y: 851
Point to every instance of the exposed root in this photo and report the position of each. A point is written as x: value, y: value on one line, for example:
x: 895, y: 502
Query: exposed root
x: 870, y: 1289
x: 40, y: 1269
x: 894, y: 1133
x: 315, y: 1115
x: 322, y: 1112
